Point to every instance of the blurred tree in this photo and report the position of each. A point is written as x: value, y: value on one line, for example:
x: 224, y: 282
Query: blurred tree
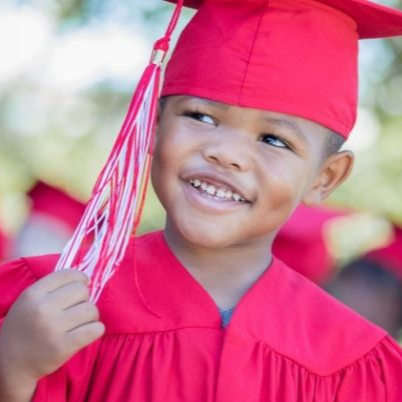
x: 62, y: 134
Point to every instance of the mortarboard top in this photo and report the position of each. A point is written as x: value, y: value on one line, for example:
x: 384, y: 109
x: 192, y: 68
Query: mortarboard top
x: 53, y: 202
x: 373, y: 20
x: 297, y: 57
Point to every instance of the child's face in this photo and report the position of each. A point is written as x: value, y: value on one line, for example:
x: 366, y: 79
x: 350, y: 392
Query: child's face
x: 271, y: 161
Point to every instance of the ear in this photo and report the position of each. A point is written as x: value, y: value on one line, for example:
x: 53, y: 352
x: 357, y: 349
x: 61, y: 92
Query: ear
x: 333, y: 172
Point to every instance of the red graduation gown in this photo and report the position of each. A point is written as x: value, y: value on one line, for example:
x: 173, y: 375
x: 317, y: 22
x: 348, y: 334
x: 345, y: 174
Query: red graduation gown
x: 288, y: 341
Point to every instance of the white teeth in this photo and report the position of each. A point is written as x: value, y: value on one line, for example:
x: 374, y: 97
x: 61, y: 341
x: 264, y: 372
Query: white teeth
x: 211, y: 190
x: 236, y: 197
x: 220, y: 193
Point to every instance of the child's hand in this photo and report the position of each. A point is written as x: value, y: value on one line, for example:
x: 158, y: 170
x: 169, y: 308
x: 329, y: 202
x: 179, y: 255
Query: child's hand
x: 49, y: 323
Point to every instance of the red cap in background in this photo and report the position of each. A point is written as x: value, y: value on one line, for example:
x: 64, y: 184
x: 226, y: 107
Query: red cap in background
x: 390, y: 256
x: 56, y: 204
x: 302, y: 242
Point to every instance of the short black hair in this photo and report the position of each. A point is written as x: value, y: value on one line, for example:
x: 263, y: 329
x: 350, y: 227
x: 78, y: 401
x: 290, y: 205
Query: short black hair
x: 162, y: 102
x: 374, y: 274
x: 333, y: 143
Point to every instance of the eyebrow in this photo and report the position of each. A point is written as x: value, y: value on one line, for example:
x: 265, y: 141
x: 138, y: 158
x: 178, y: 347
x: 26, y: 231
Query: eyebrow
x: 289, y: 124
x: 202, y: 100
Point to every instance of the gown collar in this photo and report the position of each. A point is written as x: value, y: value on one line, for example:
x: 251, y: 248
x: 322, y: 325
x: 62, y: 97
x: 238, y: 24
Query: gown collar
x: 173, y: 294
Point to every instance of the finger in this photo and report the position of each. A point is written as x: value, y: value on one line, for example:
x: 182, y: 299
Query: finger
x: 58, y: 279
x: 69, y: 295
x: 78, y: 316
x: 84, y: 335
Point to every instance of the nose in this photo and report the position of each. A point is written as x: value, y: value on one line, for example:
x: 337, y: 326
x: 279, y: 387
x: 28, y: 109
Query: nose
x: 229, y: 151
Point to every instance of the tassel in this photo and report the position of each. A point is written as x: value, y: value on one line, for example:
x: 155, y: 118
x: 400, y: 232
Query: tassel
x: 114, y: 210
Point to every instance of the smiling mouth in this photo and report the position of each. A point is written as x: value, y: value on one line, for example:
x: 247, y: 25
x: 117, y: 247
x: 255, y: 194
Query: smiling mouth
x: 218, y: 193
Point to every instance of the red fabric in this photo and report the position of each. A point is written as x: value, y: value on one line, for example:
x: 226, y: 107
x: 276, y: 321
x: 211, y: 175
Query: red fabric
x: 287, y: 341
x: 57, y: 204
x: 302, y: 242
x: 297, y: 57
x: 390, y: 256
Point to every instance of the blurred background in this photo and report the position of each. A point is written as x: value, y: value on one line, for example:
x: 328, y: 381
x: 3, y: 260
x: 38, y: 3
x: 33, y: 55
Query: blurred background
x: 67, y: 72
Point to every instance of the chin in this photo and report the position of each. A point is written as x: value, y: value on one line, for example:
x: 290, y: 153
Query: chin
x: 205, y: 235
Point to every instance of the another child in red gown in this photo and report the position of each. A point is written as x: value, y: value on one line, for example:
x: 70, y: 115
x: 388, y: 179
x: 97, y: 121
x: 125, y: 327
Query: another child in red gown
x: 253, y: 97
x: 372, y: 285
x: 52, y: 219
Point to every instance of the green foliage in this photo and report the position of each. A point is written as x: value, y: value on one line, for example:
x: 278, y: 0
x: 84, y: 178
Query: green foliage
x: 64, y: 138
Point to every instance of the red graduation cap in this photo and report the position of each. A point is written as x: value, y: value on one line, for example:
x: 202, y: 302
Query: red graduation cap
x: 57, y: 204
x: 303, y: 245
x: 390, y: 256
x: 297, y: 57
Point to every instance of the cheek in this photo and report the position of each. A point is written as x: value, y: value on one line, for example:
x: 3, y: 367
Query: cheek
x: 159, y: 165
x: 160, y: 168
x: 172, y: 143
x: 170, y: 152
x: 165, y: 145
x: 284, y: 179
x: 282, y: 186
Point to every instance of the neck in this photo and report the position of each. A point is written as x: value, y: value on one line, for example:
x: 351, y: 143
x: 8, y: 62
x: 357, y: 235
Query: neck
x: 226, y: 273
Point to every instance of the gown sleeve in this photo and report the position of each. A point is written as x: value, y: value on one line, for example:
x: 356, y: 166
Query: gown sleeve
x: 15, y: 277
x: 377, y: 377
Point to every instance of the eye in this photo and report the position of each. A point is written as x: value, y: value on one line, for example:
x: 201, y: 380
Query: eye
x: 275, y: 141
x: 201, y: 117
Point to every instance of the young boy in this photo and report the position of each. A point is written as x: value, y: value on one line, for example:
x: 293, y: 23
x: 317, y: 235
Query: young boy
x: 253, y: 94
